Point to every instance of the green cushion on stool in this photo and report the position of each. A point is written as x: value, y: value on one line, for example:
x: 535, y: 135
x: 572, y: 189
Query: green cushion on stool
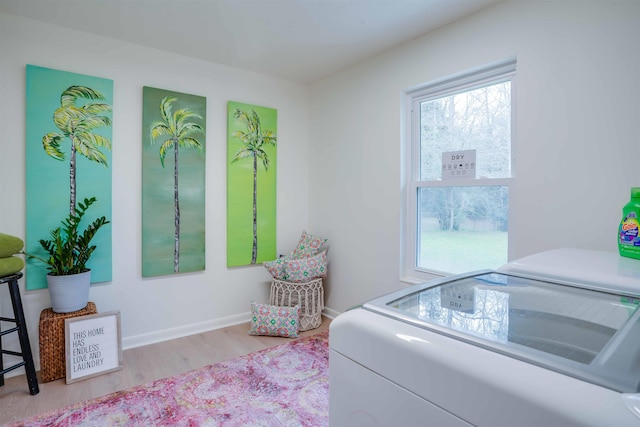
x: 10, y: 245
x: 10, y: 265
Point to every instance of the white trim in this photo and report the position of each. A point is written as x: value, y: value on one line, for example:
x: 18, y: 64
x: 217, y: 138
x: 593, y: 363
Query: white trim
x: 411, y: 280
x: 330, y: 313
x: 478, y: 182
x: 197, y: 328
x: 512, y: 241
x: 183, y: 331
x: 466, y: 80
x: 408, y: 204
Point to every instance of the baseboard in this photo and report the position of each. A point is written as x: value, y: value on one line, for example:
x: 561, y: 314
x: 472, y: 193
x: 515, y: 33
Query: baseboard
x: 182, y: 331
x: 330, y: 313
x: 196, y: 328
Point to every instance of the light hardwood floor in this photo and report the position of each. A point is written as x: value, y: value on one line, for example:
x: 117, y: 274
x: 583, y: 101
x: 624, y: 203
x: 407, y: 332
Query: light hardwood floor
x: 140, y: 365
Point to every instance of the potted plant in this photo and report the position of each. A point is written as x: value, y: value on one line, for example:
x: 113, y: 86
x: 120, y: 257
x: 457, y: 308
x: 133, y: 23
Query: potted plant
x: 69, y: 250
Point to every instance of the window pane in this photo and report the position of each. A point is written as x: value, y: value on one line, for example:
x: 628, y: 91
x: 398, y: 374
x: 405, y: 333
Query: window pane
x: 479, y: 119
x: 462, y: 228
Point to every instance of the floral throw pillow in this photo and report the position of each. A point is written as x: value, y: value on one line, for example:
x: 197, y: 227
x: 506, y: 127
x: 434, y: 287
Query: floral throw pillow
x: 274, y: 321
x: 276, y: 267
x: 305, y: 269
x: 308, y: 245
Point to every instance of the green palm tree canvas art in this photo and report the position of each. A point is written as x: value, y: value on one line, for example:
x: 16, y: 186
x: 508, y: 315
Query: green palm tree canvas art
x: 68, y: 155
x: 76, y: 124
x: 251, y: 184
x: 173, y: 234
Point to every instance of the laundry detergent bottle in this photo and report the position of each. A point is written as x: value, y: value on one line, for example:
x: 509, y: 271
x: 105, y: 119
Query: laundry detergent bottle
x: 628, y: 238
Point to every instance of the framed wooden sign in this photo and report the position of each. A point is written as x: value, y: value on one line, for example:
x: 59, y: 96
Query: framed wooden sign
x: 93, y: 345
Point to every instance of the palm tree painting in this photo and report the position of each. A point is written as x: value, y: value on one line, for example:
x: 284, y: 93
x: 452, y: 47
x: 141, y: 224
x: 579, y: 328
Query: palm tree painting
x: 68, y: 154
x: 173, y: 182
x: 76, y: 124
x: 251, y: 184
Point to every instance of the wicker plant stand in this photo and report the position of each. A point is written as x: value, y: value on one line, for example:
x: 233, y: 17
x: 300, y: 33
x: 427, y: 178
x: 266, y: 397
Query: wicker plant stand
x: 310, y: 296
x: 53, y: 364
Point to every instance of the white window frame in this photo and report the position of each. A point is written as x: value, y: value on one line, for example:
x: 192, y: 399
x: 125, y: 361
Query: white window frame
x: 482, y: 76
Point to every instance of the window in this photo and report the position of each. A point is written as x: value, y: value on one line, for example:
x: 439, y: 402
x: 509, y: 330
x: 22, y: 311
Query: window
x: 458, y: 166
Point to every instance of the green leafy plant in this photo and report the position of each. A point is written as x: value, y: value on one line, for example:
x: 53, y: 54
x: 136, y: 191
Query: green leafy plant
x: 70, y: 250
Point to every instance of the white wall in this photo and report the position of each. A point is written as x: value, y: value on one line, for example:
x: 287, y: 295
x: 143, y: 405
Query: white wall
x: 577, y: 147
x: 161, y: 307
x: 577, y: 150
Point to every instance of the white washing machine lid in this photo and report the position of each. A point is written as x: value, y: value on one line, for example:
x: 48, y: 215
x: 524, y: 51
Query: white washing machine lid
x: 585, y: 333
x: 582, y: 267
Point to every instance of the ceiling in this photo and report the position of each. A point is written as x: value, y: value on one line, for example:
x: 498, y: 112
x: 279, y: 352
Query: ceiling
x: 298, y: 40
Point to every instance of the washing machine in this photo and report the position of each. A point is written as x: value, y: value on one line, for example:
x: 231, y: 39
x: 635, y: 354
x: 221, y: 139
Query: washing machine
x: 548, y: 340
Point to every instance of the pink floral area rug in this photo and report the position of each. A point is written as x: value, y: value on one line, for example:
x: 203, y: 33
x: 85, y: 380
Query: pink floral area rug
x: 287, y: 385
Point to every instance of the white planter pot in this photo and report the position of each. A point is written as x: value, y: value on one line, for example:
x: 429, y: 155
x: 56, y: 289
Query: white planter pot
x: 69, y: 293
